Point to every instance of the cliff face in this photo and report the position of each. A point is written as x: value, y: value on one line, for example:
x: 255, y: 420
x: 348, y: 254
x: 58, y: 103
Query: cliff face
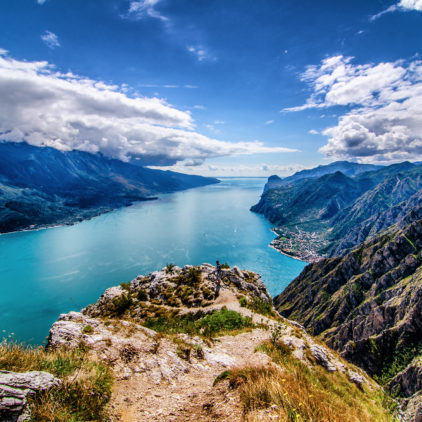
x: 195, y: 344
x: 368, y: 304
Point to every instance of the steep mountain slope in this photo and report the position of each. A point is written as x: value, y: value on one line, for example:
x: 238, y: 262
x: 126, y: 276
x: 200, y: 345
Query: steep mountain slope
x: 345, y: 167
x: 40, y: 186
x: 368, y: 305
x: 339, y: 211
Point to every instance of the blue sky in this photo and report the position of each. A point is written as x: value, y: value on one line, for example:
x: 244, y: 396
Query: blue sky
x: 215, y: 87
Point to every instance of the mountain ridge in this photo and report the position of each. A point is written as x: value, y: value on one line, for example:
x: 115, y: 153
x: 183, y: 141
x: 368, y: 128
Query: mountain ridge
x: 41, y: 186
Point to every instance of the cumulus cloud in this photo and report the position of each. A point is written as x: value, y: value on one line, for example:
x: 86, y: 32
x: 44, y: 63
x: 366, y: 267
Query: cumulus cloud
x: 45, y: 107
x: 404, y: 5
x: 50, y: 39
x: 382, y: 122
x: 143, y: 8
x: 313, y: 132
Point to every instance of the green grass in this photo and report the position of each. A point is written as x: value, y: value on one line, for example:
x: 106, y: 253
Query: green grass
x: 210, y: 324
x: 86, y: 384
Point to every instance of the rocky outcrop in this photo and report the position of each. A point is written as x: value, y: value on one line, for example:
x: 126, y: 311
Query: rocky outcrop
x: 160, y: 376
x: 176, y: 287
x: 368, y: 305
x: 16, y: 387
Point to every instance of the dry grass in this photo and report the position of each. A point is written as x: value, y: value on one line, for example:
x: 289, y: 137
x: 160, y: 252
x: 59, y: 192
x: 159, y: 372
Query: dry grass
x: 301, y: 394
x: 86, y: 384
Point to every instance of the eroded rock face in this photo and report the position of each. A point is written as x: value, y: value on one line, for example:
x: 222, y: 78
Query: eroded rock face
x: 367, y: 305
x: 16, y: 387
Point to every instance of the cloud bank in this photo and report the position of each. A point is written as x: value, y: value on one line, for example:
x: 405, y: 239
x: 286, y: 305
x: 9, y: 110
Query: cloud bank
x: 383, y: 121
x: 45, y: 107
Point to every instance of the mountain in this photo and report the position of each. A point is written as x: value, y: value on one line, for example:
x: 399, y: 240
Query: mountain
x: 345, y: 167
x: 331, y: 214
x: 44, y: 186
x: 367, y: 305
x: 180, y: 345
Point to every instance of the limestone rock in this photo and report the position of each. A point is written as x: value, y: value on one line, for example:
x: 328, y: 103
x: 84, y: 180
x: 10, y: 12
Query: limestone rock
x: 14, y: 389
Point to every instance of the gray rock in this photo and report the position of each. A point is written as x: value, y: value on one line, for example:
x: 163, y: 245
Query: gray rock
x: 320, y: 355
x: 356, y: 378
x: 14, y: 389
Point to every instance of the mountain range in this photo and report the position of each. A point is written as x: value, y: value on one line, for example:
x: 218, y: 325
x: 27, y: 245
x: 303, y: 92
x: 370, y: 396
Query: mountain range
x: 340, y: 211
x: 42, y: 186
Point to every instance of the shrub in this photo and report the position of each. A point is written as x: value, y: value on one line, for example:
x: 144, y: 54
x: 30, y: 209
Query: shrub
x: 142, y: 295
x: 225, y: 265
x: 125, y: 286
x: 122, y: 303
x: 169, y: 268
x: 88, y: 329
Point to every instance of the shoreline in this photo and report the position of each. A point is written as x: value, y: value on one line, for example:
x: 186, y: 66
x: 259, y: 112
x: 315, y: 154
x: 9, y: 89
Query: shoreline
x: 296, y: 257
x: 309, y: 256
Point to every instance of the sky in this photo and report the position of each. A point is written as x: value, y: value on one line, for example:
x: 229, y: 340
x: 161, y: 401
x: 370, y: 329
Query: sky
x: 215, y: 87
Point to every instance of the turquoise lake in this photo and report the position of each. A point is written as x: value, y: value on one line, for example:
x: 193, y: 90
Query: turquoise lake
x: 47, y: 272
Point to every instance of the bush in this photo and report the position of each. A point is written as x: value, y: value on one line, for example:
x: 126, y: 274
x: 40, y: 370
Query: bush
x: 142, y: 295
x: 122, y: 303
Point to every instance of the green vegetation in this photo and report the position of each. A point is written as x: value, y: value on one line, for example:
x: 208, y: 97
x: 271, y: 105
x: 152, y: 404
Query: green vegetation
x: 87, y: 329
x: 303, y: 393
x: 225, y: 266
x: 257, y: 305
x: 86, y: 387
x: 169, y: 268
x: 211, y: 324
x: 122, y: 303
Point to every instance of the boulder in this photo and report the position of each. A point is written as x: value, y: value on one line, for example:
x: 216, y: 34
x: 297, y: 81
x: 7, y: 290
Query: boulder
x: 16, y: 387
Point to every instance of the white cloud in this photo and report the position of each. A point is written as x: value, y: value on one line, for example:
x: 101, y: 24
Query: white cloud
x: 41, y: 1
x: 45, y: 107
x: 50, y: 39
x: 269, y: 122
x: 383, y: 102
x: 313, y: 132
x: 199, y: 107
x: 219, y: 122
x: 142, y: 8
x: 234, y: 169
x: 201, y: 53
x: 411, y: 4
x: 404, y: 5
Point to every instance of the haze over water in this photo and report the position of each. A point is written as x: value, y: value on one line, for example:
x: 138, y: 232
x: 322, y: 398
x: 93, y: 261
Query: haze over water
x: 48, y: 272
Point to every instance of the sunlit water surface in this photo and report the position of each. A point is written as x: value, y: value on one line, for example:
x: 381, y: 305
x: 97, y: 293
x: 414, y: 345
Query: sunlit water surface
x: 47, y: 272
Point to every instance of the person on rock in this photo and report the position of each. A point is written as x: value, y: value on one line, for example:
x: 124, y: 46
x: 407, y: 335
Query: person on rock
x: 217, y: 279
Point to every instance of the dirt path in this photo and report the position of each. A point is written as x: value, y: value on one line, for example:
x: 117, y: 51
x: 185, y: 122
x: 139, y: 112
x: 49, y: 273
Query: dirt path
x: 192, y: 396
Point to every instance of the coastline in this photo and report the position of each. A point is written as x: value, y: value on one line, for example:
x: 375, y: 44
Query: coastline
x: 300, y: 248
x: 296, y: 257
x: 77, y: 219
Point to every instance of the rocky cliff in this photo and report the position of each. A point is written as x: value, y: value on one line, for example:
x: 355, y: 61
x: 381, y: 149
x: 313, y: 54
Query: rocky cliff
x: 368, y: 305
x: 195, y: 344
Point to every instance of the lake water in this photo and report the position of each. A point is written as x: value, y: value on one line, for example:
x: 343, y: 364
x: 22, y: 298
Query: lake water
x: 47, y: 272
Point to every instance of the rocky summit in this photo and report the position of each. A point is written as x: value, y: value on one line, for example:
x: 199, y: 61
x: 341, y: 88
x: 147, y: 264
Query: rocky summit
x: 200, y: 344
